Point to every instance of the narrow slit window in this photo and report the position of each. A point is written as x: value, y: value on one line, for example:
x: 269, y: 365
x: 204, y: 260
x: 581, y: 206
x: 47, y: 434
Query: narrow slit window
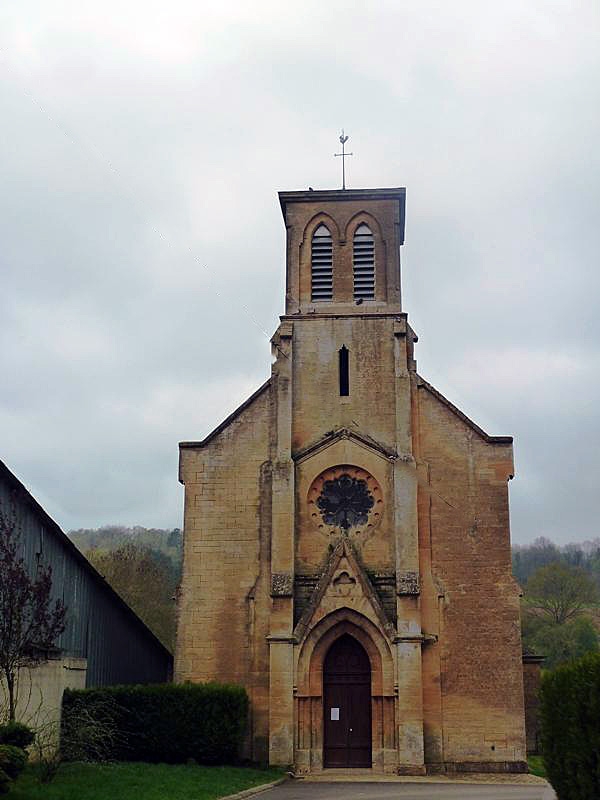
x: 321, y: 254
x: 364, y: 263
x: 344, y: 372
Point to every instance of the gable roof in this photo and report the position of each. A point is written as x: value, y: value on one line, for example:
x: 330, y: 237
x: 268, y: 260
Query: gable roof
x: 422, y: 383
x: 25, y: 496
x: 228, y: 420
x: 345, y: 433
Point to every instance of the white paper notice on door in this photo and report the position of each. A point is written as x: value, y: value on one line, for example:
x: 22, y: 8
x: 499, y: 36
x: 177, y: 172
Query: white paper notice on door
x: 335, y: 713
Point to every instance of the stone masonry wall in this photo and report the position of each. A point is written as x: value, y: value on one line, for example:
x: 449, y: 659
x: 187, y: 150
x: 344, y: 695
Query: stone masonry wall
x: 478, y: 614
x: 318, y: 407
x: 224, y: 599
x: 342, y: 219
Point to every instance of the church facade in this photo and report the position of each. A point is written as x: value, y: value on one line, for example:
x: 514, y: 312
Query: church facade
x: 346, y: 532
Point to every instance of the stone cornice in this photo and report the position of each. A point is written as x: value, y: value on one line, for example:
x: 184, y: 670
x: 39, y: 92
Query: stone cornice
x: 354, y: 312
x: 281, y: 638
x: 422, y: 638
x: 341, y: 195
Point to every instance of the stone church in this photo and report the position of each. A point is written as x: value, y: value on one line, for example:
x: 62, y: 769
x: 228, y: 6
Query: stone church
x: 347, y: 547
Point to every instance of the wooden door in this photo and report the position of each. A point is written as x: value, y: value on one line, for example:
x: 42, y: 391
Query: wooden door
x: 347, y: 705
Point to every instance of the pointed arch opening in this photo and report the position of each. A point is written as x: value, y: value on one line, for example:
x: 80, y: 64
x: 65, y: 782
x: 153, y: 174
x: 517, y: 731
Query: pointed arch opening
x: 321, y: 254
x: 347, y: 705
x: 311, y: 705
x: 363, y: 260
x: 316, y: 643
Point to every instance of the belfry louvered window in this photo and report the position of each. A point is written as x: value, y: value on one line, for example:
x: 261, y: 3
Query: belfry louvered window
x: 364, y: 264
x: 321, y: 254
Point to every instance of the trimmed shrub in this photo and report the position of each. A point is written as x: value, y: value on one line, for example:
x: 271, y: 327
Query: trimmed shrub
x: 4, y: 782
x: 570, y: 728
x: 12, y: 760
x: 170, y: 723
x: 17, y: 734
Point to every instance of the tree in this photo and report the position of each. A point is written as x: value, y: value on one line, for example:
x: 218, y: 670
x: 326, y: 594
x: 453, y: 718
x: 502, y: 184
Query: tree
x: 560, y: 593
x: 554, y: 620
x: 30, y: 623
x: 145, y: 580
x: 528, y: 558
x: 560, y: 643
x: 174, y: 540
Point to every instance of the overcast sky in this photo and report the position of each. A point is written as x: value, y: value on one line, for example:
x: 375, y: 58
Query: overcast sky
x: 142, y: 146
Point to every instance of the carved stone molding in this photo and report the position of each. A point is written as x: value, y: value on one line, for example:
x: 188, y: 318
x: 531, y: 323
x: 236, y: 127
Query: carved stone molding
x: 282, y: 584
x: 418, y: 638
x: 407, y: 583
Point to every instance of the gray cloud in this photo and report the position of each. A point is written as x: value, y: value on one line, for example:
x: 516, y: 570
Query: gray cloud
x: 142, y: 148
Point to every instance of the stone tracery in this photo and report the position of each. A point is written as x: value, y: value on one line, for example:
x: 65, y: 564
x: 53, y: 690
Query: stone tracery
x: 345, y: 497
x: 345, y: 502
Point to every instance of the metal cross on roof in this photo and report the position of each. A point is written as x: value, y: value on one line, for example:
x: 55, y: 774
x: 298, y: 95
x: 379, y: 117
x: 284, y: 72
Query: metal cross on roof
x: 343, y: 155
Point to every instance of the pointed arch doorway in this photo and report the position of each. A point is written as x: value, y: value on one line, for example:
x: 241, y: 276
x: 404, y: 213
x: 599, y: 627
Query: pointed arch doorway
x: 347, y: 705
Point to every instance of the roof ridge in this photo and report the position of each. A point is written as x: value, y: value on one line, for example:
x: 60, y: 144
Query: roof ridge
x: 228, y: 420
x: 461, y: 415
x: 75, y: 551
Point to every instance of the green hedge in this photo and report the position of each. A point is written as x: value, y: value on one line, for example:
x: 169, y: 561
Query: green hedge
x: 570, y: 728
x: 170, y: 723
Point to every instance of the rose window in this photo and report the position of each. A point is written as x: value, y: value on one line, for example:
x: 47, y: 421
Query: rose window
x: 345, y: 502
x: 345, y: 497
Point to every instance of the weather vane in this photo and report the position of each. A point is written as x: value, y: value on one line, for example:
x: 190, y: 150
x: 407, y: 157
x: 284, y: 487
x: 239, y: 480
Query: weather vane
x: 343, y: 155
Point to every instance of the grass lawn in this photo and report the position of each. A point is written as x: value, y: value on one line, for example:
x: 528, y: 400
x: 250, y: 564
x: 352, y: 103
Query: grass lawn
x: 137, y: 781
x: 536, y: 766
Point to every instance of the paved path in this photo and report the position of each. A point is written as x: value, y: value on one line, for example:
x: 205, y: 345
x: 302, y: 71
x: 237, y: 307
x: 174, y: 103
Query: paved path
x: 298, y: 790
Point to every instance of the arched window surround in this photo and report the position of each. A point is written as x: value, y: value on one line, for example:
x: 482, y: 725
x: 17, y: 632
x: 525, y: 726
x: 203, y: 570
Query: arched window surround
x: 321, y: 265
x: 305, y: 287
x: 363, y: 263
x: 353, y: 224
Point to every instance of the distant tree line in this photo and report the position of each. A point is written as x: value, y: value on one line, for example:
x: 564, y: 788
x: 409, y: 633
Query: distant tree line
x: 143, y: 565
x: 526, y: 559
x: 560, y: 584
x: 561, y: 593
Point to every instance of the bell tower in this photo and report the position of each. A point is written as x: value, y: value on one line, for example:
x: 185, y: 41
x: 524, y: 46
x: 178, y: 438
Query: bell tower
x: 352, y: 347
x: 343, y: 250
x: 342, y: 382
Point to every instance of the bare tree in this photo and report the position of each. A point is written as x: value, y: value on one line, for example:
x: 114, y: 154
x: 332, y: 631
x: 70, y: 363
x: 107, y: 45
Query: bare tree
x: 30, y: 623
x: 560, y: 593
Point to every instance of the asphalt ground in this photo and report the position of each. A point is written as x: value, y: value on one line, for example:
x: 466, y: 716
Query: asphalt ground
x: 300, y: 790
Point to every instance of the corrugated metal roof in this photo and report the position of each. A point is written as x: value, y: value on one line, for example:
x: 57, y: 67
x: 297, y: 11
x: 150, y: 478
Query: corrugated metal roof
x: 101, y: 627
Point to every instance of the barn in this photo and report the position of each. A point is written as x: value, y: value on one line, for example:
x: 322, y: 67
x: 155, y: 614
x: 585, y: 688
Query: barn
x: 104, y: 641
